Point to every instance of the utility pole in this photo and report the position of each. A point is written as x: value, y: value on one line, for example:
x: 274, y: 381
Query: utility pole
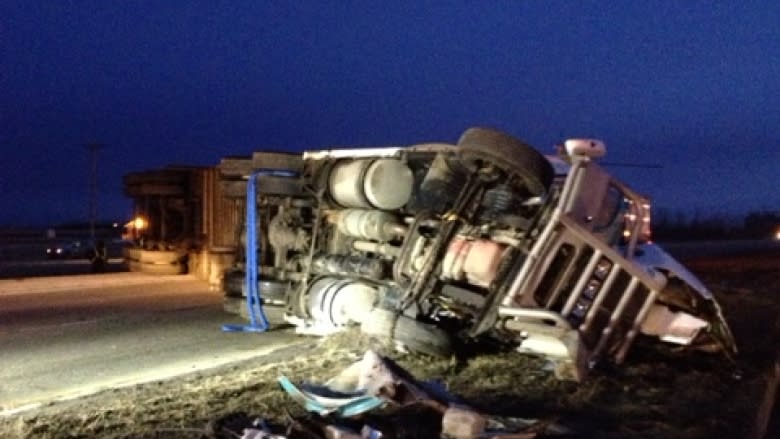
x: 92, y: 149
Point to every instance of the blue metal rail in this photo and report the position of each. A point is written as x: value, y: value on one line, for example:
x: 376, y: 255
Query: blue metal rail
x: 258, y: 322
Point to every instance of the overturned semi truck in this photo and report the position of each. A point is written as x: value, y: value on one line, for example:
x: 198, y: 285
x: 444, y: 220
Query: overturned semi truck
x: 439, y: 245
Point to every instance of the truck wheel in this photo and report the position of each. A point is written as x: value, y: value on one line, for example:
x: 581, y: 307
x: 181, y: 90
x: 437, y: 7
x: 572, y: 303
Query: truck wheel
x: 378, y: 322
x: 423, y: 338
x: 416, y: 336
x: 233, y: 283
x: 270, y: 290
x: 237, y: 306
x: 478, y: 145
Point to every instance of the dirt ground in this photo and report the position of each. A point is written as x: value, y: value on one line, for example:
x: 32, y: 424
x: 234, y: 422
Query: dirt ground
x: 658, y: 393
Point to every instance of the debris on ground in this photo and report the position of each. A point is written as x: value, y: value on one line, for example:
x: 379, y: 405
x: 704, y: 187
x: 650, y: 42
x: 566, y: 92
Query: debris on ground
x: 372, y: 397
x: 656, y: 393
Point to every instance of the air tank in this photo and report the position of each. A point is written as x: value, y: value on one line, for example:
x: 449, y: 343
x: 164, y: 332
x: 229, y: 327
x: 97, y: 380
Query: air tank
x: 380, y: 184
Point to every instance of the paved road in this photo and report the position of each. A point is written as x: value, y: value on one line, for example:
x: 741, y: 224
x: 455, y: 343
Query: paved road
x: 53, y: 267
x: 66, y: 336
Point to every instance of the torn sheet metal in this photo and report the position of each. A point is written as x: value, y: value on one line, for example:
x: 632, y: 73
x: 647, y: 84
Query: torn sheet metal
x: 672, y: 327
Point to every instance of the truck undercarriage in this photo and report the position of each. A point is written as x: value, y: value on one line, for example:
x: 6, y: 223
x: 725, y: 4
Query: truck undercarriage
x: 437, y: 246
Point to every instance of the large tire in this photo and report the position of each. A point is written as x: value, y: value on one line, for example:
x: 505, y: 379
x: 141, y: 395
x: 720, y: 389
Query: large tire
x: 233, y: 284
x: 378, y: 322
x: 416, y: 336
x: 478, y: 145
x: 270, y: 290
x: 237, y: 306
x: 422, y: 338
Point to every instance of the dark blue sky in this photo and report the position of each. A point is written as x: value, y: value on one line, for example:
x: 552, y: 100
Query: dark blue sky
x: 694, y: 86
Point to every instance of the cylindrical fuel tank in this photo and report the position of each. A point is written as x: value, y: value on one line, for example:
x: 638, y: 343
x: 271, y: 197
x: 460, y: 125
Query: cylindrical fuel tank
x: 382, y: 183
x: 338, y: 301
x: 373, y: 225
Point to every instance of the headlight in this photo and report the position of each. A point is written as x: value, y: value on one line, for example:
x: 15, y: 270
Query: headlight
x: 602, y: 269
x: 591, y: 289
x: 581, y: 308
x: 589, y: 293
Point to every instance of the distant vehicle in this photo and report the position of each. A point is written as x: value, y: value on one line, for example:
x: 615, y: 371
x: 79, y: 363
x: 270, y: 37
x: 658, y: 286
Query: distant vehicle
x: 67, y: 250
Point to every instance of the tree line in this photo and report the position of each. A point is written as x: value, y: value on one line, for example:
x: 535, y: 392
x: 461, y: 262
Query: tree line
x: 669, y: 225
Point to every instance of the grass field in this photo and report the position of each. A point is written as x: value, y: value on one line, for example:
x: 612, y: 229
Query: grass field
x: 658, y: 393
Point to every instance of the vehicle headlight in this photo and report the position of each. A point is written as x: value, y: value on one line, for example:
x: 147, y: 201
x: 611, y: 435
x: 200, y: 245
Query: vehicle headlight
x: 581, y: 308
x: 591, y: 289
x: 602, y: 268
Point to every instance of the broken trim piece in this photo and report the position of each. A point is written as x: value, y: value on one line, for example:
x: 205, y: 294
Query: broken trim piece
x: 344, y: 405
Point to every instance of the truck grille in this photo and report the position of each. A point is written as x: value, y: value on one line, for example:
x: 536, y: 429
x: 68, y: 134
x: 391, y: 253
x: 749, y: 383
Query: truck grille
x: 600, y: 293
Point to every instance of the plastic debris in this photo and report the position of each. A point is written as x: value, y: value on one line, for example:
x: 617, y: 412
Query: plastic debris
x: 374, y: 398
x: 325, y: 401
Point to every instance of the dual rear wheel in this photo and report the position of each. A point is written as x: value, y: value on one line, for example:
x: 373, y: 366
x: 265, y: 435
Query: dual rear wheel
x: 415, y: 335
